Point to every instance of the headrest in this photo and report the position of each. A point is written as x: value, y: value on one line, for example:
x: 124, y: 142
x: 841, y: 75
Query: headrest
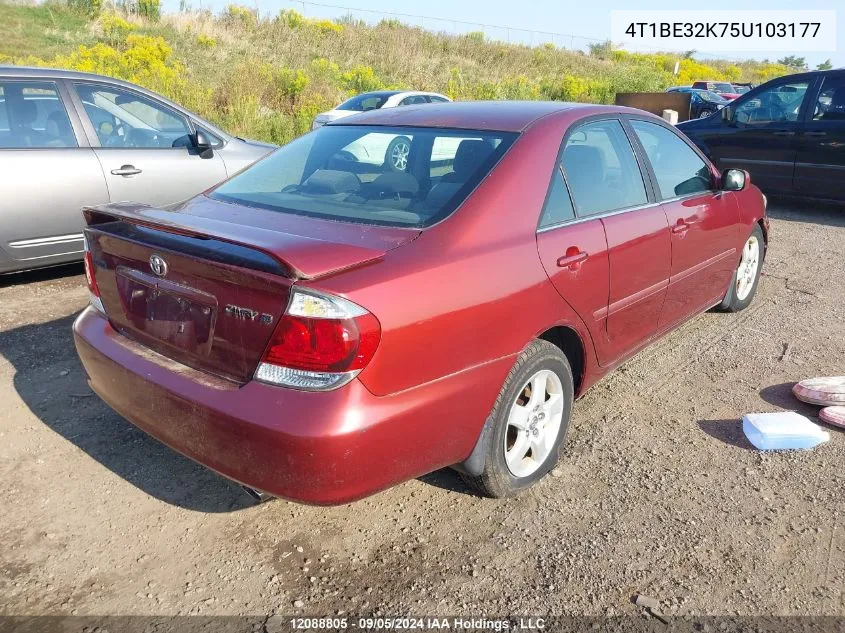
x: 469, y: 156
x: 24, y: 111
x: 327, y: 181
x: 58, y: 124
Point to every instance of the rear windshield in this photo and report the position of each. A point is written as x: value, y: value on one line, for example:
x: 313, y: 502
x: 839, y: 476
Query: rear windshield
x: 375, y: 175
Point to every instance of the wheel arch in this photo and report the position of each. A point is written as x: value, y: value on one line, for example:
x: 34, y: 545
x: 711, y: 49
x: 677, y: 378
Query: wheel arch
x: 569, y: 342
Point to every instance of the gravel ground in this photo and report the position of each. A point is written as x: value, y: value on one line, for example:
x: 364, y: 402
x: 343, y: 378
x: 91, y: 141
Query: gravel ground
x: 658, y: 491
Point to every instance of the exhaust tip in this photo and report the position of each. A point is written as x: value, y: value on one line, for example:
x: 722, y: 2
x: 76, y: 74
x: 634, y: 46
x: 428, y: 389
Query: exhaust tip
x: 256, y: 495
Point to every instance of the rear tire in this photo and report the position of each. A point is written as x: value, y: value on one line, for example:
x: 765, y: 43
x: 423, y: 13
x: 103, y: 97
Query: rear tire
x: 746, y: 277
x: 396, y: 156
x: 528, y: 423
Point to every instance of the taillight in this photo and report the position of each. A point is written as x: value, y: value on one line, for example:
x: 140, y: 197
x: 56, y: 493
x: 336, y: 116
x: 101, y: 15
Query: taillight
x: 90, y: 277
x: 320, y: 343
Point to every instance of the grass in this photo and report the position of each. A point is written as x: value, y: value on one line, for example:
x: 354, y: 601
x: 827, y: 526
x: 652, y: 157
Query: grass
x: 267, y: 78
x: 42, y: 30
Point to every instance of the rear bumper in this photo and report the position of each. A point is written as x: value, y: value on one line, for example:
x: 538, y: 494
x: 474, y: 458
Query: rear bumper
x: 322, y: 448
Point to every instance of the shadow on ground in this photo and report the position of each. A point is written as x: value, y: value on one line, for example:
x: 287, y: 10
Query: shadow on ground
x: 50, y: 380
x: 781, y: 396
x: 806, y: 211
x: 42, y: 274
x: 727, y: 431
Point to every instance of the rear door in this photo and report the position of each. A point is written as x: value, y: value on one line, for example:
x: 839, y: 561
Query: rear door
x: 48, y: 174
x: 574, y: 254
x: 762, y: 135
x: 145, y: 148
x: 637, y: 237
x: 820, y: 164
x: 704, y: 222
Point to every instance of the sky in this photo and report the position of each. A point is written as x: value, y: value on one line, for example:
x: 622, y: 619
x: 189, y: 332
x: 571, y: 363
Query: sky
x: 530, y: 21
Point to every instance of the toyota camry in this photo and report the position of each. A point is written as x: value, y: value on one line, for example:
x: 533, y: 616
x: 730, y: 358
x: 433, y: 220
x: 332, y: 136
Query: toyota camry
x: 319, y: 328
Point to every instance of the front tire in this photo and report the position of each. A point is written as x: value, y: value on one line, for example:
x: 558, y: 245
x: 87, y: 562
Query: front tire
x: 528, y: 423
x: 746, y: 277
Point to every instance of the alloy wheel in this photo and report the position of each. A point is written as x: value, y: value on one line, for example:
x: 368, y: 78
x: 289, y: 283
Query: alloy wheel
x: 746, y: 273
x: 533, y: 423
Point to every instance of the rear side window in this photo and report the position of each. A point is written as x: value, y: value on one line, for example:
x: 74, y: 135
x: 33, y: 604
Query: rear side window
x: 370, y: 174
x: 558, y: 207
x: 601, y: 169
x: 678, y: 169
x: 830, y: 105
x: 33, y: 116
x: 436, y: 99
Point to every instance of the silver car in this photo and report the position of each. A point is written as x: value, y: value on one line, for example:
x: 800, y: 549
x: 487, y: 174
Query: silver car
x: 69, y: 139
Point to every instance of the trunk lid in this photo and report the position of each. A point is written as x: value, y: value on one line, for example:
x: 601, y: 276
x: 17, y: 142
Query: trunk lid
x: 205, y: 285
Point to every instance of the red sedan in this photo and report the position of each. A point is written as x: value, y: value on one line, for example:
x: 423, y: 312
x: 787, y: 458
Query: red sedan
x: 322, y: 326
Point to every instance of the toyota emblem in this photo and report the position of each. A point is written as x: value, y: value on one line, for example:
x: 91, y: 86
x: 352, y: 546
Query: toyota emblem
x: 158, y: 265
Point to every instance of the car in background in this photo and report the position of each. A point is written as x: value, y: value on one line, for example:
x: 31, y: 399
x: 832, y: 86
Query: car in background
x: 742, y: 88
x: 320, y: 336
x: 68, y: 139
x: 382, y: 150
x: 703, y: 103
x: 723, y: 88
x: 789, y: 133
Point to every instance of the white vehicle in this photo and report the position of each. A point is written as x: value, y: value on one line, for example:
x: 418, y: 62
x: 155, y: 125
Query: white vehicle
x: 388, y: 149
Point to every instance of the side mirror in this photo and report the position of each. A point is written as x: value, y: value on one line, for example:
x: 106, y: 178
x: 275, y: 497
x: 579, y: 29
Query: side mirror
x: 727, y: 114
x: 734, y: 179
x: 203, y: 144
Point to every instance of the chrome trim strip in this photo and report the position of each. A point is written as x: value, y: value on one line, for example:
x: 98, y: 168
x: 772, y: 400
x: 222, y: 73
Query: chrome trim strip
x: 45, y: 241
x: 597, y: 216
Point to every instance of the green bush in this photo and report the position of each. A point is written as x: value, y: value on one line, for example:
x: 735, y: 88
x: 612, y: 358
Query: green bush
x: 86, y: 7
x: 361, y: 79
x: 150, y: 9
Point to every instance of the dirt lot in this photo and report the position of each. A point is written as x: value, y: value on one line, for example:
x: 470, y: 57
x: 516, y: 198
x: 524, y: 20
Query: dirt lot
x: 658, y: 492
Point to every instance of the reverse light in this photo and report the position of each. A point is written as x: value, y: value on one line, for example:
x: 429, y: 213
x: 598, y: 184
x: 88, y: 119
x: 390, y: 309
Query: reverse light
x: 93, y: 290
x: 320, y: 343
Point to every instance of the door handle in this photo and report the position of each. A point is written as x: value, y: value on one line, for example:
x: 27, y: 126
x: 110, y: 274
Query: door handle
x: 126, y: 170
x: 573, y: 258
x: 681, y: 226
x: 783, y: 133
x: 815, y: 133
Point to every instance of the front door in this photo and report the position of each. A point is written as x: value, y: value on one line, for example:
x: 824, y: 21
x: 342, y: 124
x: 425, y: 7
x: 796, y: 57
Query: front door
x: 607, y: 184
x: 47, y: 176
x: 820, y: 164
x: 703, y: 222
x: 762, y: 135
x: 146, y: 149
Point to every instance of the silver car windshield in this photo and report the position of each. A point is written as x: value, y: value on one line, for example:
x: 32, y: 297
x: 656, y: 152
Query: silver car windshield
x: 371, y: 174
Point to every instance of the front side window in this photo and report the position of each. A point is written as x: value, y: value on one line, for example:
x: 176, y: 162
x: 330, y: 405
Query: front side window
x: 778, y: 104
x: 364, y: 102
x: 601, y: 169
x: 678, y: 169
x: 32, y: 116
x: 370, y: 174
x: 830, y: 105
x: 125, y: 119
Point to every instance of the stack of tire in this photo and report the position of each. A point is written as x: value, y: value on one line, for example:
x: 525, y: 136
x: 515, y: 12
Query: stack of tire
x: 826, y: 392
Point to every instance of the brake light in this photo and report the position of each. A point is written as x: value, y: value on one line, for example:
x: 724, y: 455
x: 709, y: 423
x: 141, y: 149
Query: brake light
x: 90, y: 277
x: 321, y: 342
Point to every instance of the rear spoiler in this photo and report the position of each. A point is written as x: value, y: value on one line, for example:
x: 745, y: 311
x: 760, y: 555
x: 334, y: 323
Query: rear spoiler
x: 302, y: 257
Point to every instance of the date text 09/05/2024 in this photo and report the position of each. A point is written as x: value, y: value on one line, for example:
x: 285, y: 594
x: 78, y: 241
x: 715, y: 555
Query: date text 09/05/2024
x: 419, y: 623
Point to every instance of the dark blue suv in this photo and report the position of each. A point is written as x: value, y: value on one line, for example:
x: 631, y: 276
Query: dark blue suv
x: 788, y: 133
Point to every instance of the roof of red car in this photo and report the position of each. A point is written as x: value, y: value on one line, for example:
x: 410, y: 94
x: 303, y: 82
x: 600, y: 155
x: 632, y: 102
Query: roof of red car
x: 503, y: 116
